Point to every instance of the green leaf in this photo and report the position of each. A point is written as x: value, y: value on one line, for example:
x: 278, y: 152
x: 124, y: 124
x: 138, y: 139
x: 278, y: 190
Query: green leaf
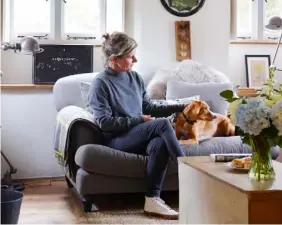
x: 270, y: 132
x: 244, y: 101
x: 240, y: 132
x: 246, y: 140
x: 280, y: 143
x: 232, y: 99
x: 271, y: 143
x: 227, y: 94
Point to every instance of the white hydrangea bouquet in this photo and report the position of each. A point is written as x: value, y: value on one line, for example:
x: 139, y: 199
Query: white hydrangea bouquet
x: 258, y: 121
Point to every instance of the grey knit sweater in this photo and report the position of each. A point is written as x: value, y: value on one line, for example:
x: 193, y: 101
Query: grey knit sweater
x: 119, y: 100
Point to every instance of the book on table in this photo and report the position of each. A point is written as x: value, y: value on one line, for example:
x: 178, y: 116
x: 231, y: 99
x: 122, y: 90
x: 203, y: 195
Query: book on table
x: 228, y: 157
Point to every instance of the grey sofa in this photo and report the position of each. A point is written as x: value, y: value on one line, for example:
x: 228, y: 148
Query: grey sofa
x: 97, y: 169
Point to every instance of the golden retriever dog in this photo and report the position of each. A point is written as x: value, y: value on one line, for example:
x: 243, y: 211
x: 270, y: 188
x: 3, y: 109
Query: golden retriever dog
x: 198, y: 121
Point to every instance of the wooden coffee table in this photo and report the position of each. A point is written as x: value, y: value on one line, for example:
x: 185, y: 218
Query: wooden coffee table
x: 212, y: 192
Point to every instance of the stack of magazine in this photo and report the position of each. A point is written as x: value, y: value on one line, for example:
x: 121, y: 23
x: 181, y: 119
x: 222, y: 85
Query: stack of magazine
x: 228, y: 157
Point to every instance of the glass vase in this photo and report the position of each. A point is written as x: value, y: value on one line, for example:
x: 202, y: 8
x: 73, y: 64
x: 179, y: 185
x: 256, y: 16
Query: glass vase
x: 261, y: 166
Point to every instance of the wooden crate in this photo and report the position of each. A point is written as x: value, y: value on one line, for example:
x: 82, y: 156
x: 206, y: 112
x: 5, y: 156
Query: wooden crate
x: 248, y: 92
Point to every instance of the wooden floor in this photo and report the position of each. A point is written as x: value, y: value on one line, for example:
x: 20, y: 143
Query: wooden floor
x: 48, y: 202
x: 53, y: 202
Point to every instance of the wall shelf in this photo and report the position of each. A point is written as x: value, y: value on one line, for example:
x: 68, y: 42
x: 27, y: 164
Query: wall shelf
x: 25, y: 86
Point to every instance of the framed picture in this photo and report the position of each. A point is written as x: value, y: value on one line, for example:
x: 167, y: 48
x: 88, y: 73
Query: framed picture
x: 257, y: 70
x: 182, y: 40
x: 183, y: 8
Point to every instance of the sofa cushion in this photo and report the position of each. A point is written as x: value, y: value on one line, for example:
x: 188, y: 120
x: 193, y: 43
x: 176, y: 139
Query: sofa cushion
x: 107, y: 161
x: 85, y: 89
x: 186, y: 71
x: 176, y: 101
x: 67, y: 90
x: 209, y: 92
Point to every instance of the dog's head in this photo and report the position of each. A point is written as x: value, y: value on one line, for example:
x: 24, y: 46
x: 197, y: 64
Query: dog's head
x: 199, y: 110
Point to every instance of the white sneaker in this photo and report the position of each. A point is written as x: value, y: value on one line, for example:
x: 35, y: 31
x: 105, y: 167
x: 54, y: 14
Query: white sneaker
x: 156, y: 207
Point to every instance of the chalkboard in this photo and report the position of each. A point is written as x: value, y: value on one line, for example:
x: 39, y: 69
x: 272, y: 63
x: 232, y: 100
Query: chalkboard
x: 57, y: 61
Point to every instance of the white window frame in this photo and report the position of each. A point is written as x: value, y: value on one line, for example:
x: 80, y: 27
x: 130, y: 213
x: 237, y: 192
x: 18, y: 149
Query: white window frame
x: 57, y: 35
x: 102, y: 4
x: 258, y: 16
x: 10, y: 30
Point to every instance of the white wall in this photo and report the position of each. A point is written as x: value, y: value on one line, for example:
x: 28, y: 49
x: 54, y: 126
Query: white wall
x: 153, y: 28
x: 24, y: 116
x: 237, y: 52
x: 28, y: 120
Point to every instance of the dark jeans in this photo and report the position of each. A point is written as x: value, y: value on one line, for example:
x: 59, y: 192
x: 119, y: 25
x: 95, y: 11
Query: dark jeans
x: 158, y: 140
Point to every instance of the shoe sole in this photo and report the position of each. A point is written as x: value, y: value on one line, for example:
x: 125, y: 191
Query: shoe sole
x: 169, y: 217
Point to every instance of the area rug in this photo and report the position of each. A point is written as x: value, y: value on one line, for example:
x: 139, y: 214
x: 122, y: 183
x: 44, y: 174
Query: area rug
x: 125, y: 209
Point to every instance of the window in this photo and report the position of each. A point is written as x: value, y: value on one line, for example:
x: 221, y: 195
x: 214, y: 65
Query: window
x: 244, y: 18
x: 63, y: 20
x: 87, y: 21
x: 35, y: 19
x: 250, y: 16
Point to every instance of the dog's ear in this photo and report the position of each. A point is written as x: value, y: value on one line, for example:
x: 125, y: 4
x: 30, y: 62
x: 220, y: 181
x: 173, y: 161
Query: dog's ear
x: 193, y: 108
x: 196, y: 107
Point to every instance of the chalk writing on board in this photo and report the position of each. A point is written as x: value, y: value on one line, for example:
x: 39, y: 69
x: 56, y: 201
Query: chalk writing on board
x: 57, y: 61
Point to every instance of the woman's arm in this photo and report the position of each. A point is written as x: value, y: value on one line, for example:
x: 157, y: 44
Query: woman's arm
x: 158, y: 110
x: 99, y: 102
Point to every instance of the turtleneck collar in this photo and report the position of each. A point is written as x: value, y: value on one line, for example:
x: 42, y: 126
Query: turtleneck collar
x: 110, y: 71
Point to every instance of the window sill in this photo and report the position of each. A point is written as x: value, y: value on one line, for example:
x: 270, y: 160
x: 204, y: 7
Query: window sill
x: 253, y: 42
x: 25, y: 86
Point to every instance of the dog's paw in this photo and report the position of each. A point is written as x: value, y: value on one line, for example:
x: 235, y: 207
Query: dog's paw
x: 188, y: 142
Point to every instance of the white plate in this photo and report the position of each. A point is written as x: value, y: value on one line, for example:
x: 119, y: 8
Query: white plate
x: 229, y: 164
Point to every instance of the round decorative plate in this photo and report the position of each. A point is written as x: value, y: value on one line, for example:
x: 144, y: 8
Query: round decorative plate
x: 229, y: 164
x: 183, y: 8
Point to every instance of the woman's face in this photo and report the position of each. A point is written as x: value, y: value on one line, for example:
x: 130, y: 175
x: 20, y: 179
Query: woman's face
x: 125, y: 63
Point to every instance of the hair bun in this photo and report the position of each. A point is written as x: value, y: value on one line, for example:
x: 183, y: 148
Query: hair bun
x: 106, y: 36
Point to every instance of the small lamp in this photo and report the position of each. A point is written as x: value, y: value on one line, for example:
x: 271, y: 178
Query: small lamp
x: 28, y: 46
x: 275, y: 23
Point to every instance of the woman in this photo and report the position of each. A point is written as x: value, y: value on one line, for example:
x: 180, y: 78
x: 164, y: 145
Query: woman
x: 122, y: 109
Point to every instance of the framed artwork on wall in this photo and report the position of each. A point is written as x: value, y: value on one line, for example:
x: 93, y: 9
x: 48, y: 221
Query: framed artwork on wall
x: 182, y: 40
x: 183, y: 8
x: 257, y: 70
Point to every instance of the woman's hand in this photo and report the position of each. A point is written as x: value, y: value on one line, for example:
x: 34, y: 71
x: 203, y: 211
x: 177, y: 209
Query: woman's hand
x: 147, y: 118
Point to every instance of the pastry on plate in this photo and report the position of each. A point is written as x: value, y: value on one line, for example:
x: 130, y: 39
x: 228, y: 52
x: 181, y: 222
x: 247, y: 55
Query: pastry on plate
x: 242, y: 162
x: 237, y: 163
x: 247, y: 162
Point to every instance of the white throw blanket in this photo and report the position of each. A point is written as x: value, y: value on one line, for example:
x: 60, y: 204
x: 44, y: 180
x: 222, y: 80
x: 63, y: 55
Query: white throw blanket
x: 187, y: 71
x: 65, y: 118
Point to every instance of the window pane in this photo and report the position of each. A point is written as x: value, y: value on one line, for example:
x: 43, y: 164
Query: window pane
x: 272, y: 8
x: 32, y: 16
x: 244, y: 18
x: 82, y: 18
x: 114, y: 21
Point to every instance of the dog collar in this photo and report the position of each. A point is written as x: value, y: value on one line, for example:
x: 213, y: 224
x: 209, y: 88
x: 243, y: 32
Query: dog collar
x: 191, y: 122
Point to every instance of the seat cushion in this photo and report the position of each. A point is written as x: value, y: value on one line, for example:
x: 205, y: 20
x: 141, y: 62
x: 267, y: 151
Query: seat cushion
x: 107, y: 161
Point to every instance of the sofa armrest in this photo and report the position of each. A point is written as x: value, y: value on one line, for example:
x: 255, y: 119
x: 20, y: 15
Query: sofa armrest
x: 82, y: 132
